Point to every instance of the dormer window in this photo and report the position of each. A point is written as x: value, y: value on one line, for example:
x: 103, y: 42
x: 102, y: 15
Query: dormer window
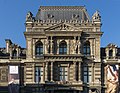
x: 110, y: 53
x: 75, y: 16
x: 14, y: 53
x: 50, y: 16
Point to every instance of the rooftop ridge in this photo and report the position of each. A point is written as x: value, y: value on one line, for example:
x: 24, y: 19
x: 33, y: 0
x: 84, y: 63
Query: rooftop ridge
x: 61, y: 7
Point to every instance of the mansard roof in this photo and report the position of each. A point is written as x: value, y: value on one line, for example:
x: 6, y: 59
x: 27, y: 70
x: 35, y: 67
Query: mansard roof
x: 62, y: 13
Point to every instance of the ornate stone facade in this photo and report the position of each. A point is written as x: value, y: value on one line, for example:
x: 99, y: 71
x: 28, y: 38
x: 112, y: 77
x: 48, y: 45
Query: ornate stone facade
x: 62, y: 53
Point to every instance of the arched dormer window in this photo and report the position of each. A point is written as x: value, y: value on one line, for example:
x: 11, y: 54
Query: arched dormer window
x: 110, y: 53
x: 39, y: 49
x: 63, y: 47
x: 14, y: 53
x: 86, y: 48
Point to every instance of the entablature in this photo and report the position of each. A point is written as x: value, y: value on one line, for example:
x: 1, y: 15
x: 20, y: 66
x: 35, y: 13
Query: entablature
x: 49, y: 57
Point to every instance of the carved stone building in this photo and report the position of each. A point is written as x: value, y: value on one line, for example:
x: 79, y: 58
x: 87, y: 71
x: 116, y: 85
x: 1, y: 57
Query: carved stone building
x: 62, y: 53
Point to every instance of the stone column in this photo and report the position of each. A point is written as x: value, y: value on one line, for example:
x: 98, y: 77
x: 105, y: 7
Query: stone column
x: 91, y: 48
x: 68, y: 46
x: 107, y: 53
x: 68, y: 71
x: 46, y: 71
x: 33, y: 67
x: 79, y: 72
x: 105, y: 74
x: 10, y: 52
x: 74, y: 45
x: 74, y: 79
x: 29, y: 51
x: 34, y: 49
x: 43, y: 72
x: 51, y: 71
x: 17, y: 49
x: 51, y: 46
x: 79, y: 44
x: 57, y: 46
x: 46, y: 46
x: 93, y: 76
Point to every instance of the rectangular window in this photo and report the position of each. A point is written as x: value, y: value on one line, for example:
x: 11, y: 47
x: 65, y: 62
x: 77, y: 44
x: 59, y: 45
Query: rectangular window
x: 87, y: 74
x: 63, y: 73
x: 38, y: 73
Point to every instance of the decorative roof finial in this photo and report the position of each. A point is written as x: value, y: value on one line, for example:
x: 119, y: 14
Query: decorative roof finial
x: 96, y: 16
x: 29, y: 16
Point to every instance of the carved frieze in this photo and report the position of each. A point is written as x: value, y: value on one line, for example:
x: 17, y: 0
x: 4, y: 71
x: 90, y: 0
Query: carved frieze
x: 62, y: 27
x: 3, y: 74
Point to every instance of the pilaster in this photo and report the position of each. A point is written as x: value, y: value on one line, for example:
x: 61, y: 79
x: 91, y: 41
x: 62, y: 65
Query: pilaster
x: 79, y: 44
x: 79, y: 72
x: 74, y: 77
x: 68, y: 72
x: 43, y: 72
x: 51, y: 71
x: 46, y: 72
x: 51, y: 45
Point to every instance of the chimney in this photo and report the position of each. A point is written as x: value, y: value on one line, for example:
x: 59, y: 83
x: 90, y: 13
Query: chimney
x: 8, y: 43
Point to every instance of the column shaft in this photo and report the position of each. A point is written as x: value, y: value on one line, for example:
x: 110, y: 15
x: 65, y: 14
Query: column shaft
x: 79, y: 72
x: 43, y: 72
x: 51, y: 46
x: 79, y: 44
x: 68, y: 71
x: 74, y: 71
x: 51, y: 71
x: 46, y: 71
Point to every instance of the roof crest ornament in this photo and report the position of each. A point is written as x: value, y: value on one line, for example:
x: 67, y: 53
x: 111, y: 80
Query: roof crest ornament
x: 29, y: 16
x: 96, y: 16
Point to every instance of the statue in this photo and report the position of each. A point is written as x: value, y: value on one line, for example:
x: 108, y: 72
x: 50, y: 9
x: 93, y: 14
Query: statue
x: 112, y: 78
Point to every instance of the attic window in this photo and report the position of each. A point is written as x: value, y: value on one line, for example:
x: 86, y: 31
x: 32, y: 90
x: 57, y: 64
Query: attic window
x: 50, y: 16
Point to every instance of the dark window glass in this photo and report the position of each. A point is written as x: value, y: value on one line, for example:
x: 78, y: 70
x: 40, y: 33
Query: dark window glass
x: 14, y: 53
x: 110, y: 53
x: 86, y: 48
x: 63, y: 73
x: 39, y: 49
x: 63, y: 48
x: 38, y: 74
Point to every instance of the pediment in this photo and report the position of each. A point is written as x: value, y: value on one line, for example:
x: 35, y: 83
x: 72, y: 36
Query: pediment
x: 62, y: 27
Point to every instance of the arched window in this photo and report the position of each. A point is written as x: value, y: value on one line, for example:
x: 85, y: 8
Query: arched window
x: 63, y: 48
x: 14, y: 53
x: 86, y: 48
x: 39, y: 49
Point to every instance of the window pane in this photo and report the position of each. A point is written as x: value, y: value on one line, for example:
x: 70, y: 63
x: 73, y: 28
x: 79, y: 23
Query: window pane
x: 86, y: 48
x: 85, y: 79
x: 63, y: 73
x: 39, y: 49
x: 86, y: 74
x: 38, y: 73
x: 63, y: 48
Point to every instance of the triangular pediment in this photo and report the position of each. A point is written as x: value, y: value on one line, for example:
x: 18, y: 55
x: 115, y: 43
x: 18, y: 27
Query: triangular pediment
x: 62, y: 27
